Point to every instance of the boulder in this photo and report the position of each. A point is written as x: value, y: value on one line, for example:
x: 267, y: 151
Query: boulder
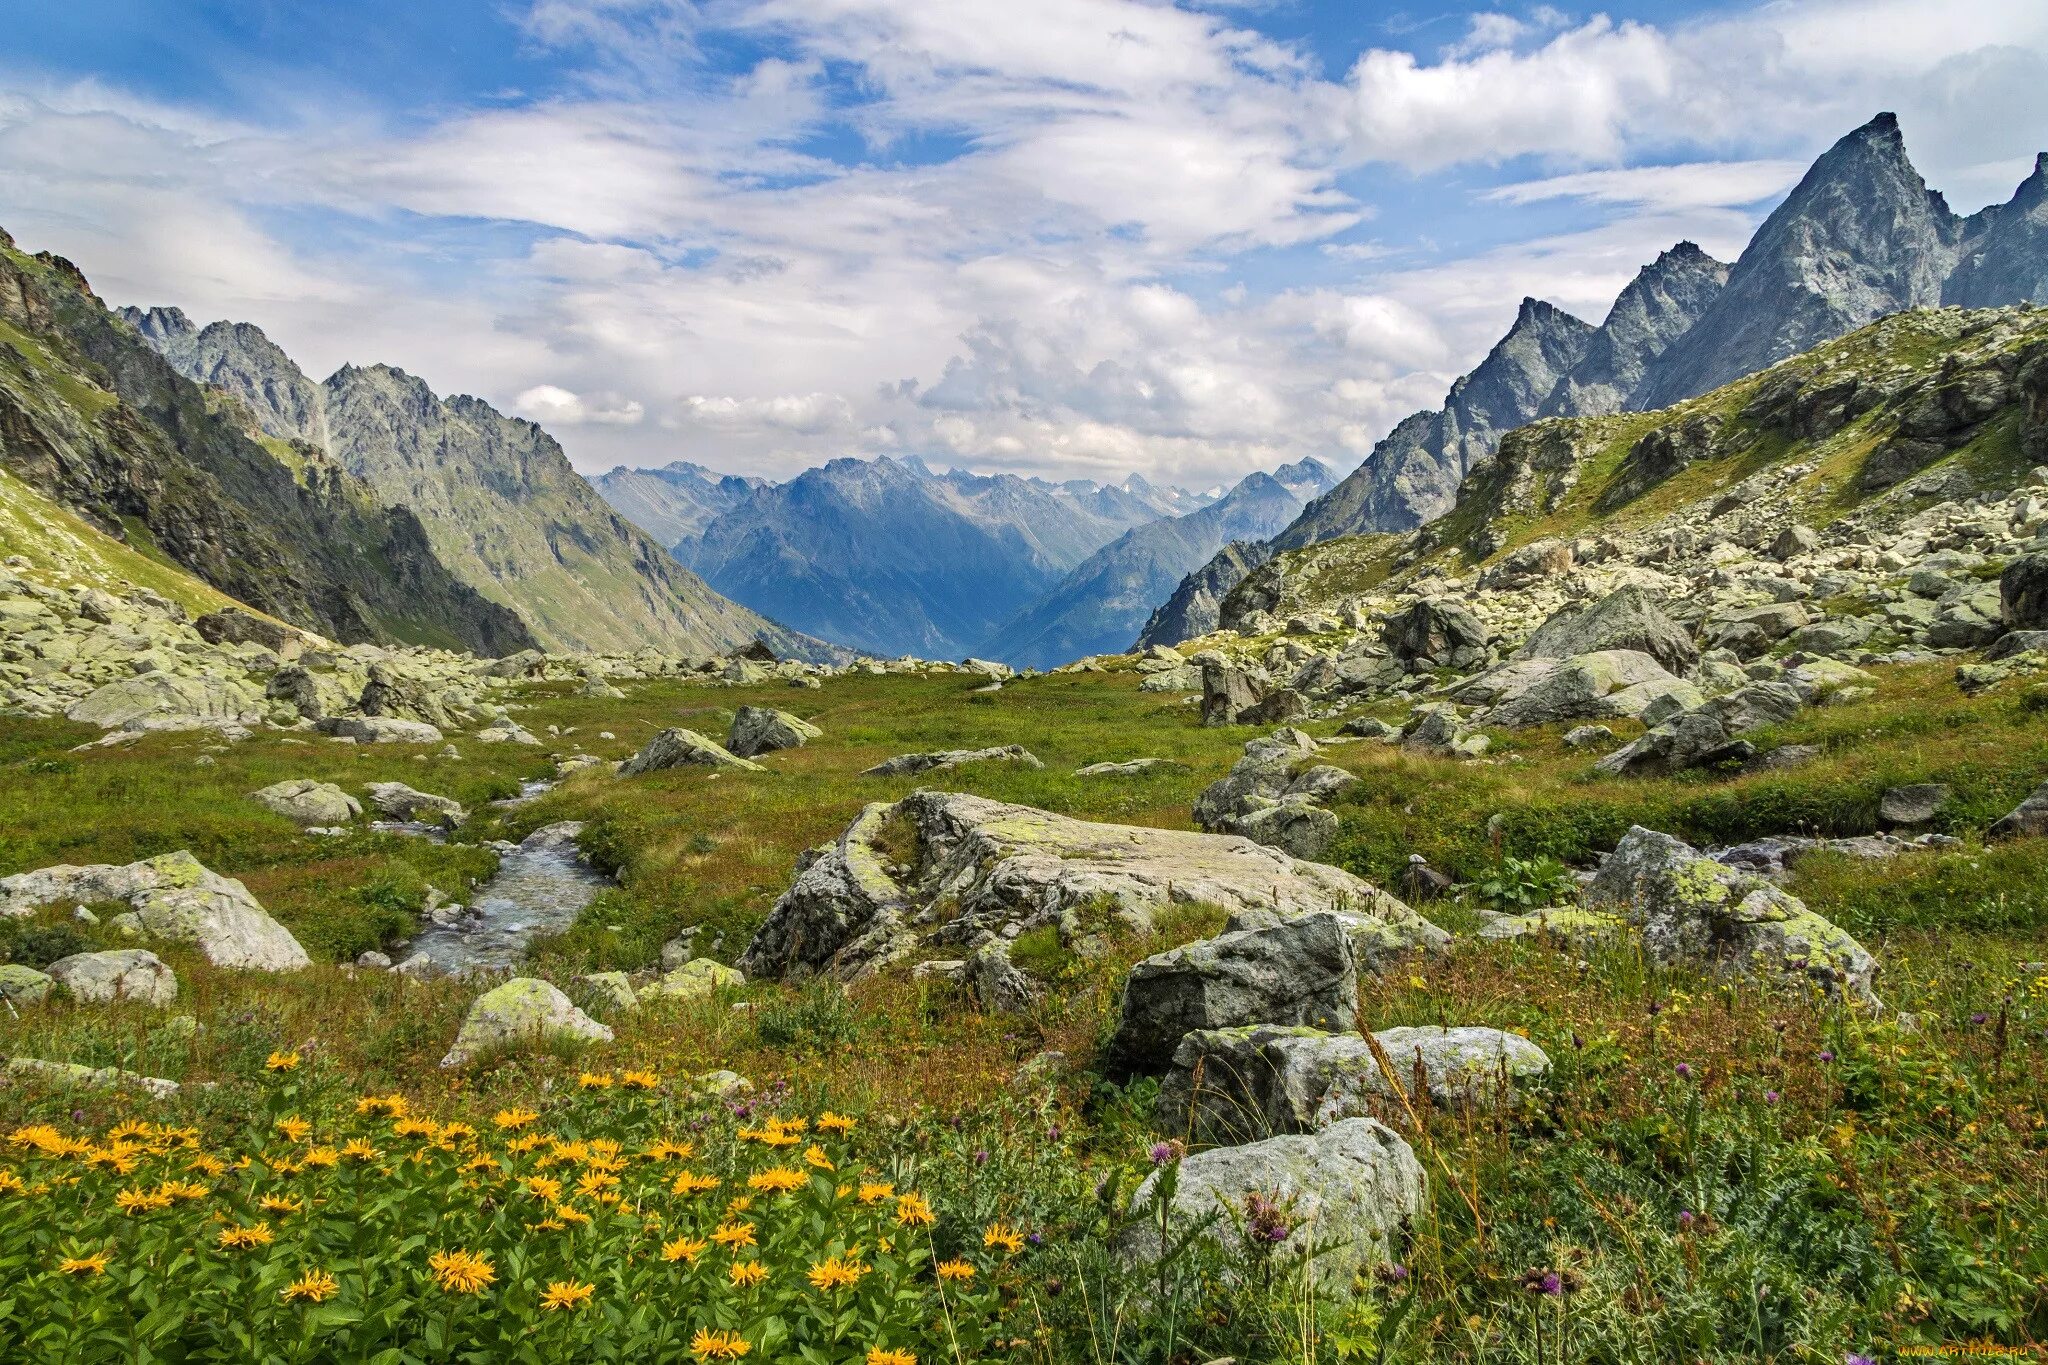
x: 1347, y: 1195
x: 396, y: 801
x: 521, y: 1011
x: 36, y: 1070
x: 380, y: 730
x: 603, y: 994
x: 1615, y: 682
x: 2026, y: 820
x: 308, y: 802
x: 1626, y: 619
x: 1436, y: 633
x: 1293, y: 825
x: 1227, y: 693
x: 162, y: 701
x: 175, y: 899
x: 1238, y: 1085
x: 971, y: 869
x: 1749, y: 631
x: 2023, y: 593
x: 1915, y: 804
x: 1794, y: 541
x: 21, y: 985
x: 675, y: 748
x: 762, y: 729
x: 1588, y: 737
x: 1135, y: 767
x: 233, y: 626
x: 1293, y: 971
x: 692, y: 980
x: 1689, y: 908
x: 1261, y: 777
x: 1707, y: 734
x: 124, y: 974
x: 906, y: 764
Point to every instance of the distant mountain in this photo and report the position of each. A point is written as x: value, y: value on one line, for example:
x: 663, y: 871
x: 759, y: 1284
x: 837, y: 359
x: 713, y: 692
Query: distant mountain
x: 1103, y: 603
x: 890, y: 557
x: 98, y: 423
x: 498, y: 499
x: 1196, y: 604
x: 1860, y: 237
x: 676, y: 501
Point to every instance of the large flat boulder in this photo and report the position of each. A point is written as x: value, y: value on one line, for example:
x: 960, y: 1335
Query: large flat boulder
x: 763, y: 729
x: 521, y: 1012
x: 164, y: 701
x: 1709, y: 733
x: 1628, y: 618
x: 177, y: 900
x: 1689, y: 908
x: 124, y: 974
x: 396, y: 801
x: 1239, y: 1085
x: 381, y: 730
x: 308, y: 802
x: 947, y: 867
x: 678, y: 748
x: 908, y: 765
x: 1598, y: 686
x: 1346, y: 1194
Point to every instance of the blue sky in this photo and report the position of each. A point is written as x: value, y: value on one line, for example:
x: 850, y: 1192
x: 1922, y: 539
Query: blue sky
x: 1070, y: 237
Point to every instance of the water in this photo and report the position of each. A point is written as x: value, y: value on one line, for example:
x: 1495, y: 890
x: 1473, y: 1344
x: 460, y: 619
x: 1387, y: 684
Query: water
x: 541, y: 886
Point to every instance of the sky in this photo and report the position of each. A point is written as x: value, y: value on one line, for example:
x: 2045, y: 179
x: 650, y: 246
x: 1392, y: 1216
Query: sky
x: 1068, y: 238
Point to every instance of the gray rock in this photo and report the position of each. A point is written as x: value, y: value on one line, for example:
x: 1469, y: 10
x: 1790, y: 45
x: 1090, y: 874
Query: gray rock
x: 875, y: 893
x: 381, y: 730
x: 676, y: 748
x: 2028, y: 819
x: 1689, y: 908
x: 1295, y: 971
x: 696, y: 979
x: 522, y: 1011
x: 761, y: 729
x: 35, y: 1069
x: 308, y: 802
x: 2023, y: 593
x: 1749, y: 631
x: 1588, y: 737
x: 1349, y: 1193
x: 1369, y: 727
x: 906, y: 764
x: 1436, y: 633
x: 1237, y: 1085
x: 123, y: 974
x: 1626, y: 619
x: 1794, y: 541
x: 603, y: 994
x: 1708, y: 734
x: 1616, y: 682
x: 162, y: 701
x: 23, y: 985
x: 1915, y: 804
x: 1136, y: 767
x: 174, y: 899
x: 396, y: 801
x: 1227, y: 693
x: 1293, y: 825
x: 370, y: 960
x: 1260, y: 777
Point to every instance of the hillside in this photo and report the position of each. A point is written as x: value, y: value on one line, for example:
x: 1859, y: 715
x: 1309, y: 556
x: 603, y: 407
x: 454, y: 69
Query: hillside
x: 495, y: 495
x: 674, y: 502
x: 96, y: 422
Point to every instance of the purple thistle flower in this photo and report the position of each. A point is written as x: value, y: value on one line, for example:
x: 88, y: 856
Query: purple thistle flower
x: 1685, y: 1218
x: 1052, y: 1134
x: 1980, y: 1018
x: 1036, y: 1239
x: 1162, y: 1152
x: 1827, y: 1054
x: 1853, y: 1358
x: 1770, y: 1097
x: 1552, y: 1284
x: 981, y: 1157
x: 1684, y: 1071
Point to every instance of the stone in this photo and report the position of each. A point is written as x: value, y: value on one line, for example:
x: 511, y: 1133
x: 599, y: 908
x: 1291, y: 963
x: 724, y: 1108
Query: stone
x: 1227, y: 693
x: 696, y: 979
x: 233, y: 626
x: 1278, y: 707
x: 1348, y: 1194
x: 306, y: 802
x: 1261, y: 776
x: 1834, y: 635
x: 2023, y: 593
x: 762, y: 729
x: 381, y: 730
x: 35, y: 1069
x: 998, y: 870
x: 996, y: 982
x: 675, y: 748
x: 1588, y: 737
x: 396, y: 801
x: 522, y: 1011
x: 1915, y: 804
x: 1707, y: 734
x: 123, y: 974
x: 1135, y: 767
x: 1293, y: 825
x: 1749, y: 631
x: 1626, y: 619
x: 162, y: 701
x: 603, y: 994
x: 907, y: 764
x: 2027, y: 820
x: 1369, y: 727
x: 679, y: 950
x: 1794, y: 541
x: 1689, y: 908
x: 174, y: 899
x: 722, y: 1085
x: 1295, y: 971
x: 370, y: 960
x: 1436, y: 633
x: 24, y: 985
x: 1616, y: 682
x: 1239, y: 1085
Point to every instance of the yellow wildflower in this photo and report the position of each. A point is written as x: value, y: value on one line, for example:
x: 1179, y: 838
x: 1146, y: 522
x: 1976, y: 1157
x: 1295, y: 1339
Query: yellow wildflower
x: 320, y: 1158
x: 815, y: 1155
x: 207, y: 1164
x: 777, y: 1180
x: 281, y: 1061
x: 544, y: 1187
x: 187, y: 1190
x: 684, y: 1249
x: 639, y: 1080
x: 712, y: 1345
x: 955, y: 1270
x: 295, y: 1128
x: 355, y: 1149
x: 461, y: 1272
x: 277, y: 1204
x: 132, y: 1202
x: 665, y: 1150
x: 740, y: 1204
x: 382, y: 1106
x: 836, y: 1274
x: 829, y: 1122
x: 733, y: 1235
x: 508, y: 1119
x: 1004, y: 1236
x: 879, y: 1355
x: 569, y: 1213
x: 592, y: 1182
x: 315, y: 1286
x: 874, y: 1192
x: 690, y: 1182
x: 913, y: 1212
x: 129, y: 1130
x: 595, y: 1080
x: 566, y: 1294
x: 525, y: 1143
x: 246, y: 1238
x: 95, y: 1264
x: 10, y: 1183
x: 747, y: 1274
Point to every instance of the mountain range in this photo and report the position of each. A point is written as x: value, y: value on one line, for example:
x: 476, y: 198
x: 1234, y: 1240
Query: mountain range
x: 890, y: 557
x: 499, y: 503
x: 1861, y: 236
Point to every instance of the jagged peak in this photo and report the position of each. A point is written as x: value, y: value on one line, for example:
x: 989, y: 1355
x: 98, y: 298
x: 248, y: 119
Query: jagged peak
x: 1686, y: 254
x: 1535, y: 314
x: 159, y: 320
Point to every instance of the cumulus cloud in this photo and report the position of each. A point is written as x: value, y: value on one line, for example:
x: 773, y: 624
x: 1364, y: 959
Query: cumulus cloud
x: 553, y: 406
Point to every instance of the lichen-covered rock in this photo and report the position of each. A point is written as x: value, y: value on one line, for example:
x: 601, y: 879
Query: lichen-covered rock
x: 1348, y: 1193
x: 1238, y: 1085
x: 1913, y: 804
x: 124, y: 974
x: 2023, y: 593
x: 762, y: 729
x: 381, y: 730
x: 1436, y: 633
x: 950, y: 868
x: 1260, y: 777
x: 1227, y: 693
x: 692, y: 980
x: 522, y: 1010
x: 1626, y: 619
x: 2028, y: 819
x: 305, y: 801
x: 905, y: 765
x: 1707, y: 734
x: 175, y: 899
x: 396, y: 801
x: 603, y: 994
x: 1689, y: 908
x: 1134, y: 767
x: 1295, y: 971
x: 164, y: 701
x: 676, y: 748
x: 24, y: 985
x: 1615, y: 682
x: 70, y: 1074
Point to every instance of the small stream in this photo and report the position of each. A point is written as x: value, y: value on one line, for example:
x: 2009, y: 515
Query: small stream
x: 541, y: 886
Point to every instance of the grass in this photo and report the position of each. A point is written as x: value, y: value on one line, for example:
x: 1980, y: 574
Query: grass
x: 1890, y: 1194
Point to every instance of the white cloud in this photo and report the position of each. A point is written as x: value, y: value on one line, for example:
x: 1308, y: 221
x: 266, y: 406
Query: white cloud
x: 1692, y: 185
x: 553, y: 406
